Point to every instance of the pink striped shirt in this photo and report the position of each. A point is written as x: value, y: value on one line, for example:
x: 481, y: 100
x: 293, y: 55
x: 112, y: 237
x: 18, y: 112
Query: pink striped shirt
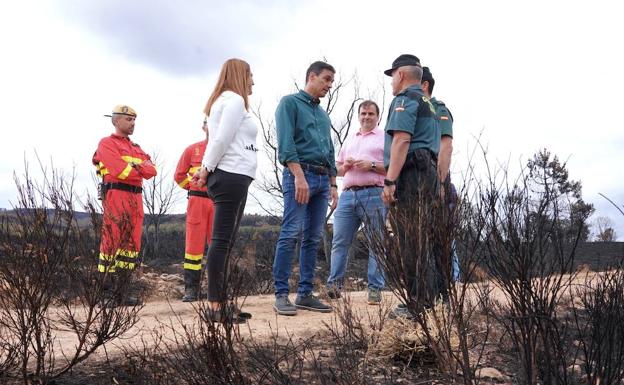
x: 363, y: 146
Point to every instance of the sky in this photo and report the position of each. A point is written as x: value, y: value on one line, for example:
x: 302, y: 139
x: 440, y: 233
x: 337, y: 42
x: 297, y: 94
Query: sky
x: 518, y: 75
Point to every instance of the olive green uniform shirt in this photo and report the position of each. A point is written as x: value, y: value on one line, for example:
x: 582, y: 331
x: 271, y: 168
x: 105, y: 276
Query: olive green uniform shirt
x: 445, y: 118
x: 412, y: 112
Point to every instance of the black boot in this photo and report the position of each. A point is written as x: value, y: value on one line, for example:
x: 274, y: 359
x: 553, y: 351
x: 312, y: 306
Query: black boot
x: 107, y: 286
x: 126, y: 290
x: 191, y: 285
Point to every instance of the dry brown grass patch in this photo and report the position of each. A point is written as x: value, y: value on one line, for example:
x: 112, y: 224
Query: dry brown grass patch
x: 406, y: 339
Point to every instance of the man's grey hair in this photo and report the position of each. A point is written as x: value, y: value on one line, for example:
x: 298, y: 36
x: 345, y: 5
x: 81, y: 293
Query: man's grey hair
x: 414, y: 72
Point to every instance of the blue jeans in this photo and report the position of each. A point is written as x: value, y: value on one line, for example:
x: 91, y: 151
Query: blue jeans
x: 300, y: 218
x: 454, y: 262
x: 354, y: 208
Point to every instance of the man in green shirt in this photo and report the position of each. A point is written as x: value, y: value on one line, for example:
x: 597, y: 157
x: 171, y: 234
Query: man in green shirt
x: 445, y: 121
x: 306, y: 150
x: 411, y: 185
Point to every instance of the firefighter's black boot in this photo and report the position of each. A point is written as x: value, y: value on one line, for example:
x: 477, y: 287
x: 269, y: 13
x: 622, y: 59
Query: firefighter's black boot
x: 107, y: 286
x: 126, y: 290
x: 191, y: 285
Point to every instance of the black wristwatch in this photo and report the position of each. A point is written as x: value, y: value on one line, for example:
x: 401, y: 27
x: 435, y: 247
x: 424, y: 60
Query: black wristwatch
x: 373, y: 165
x: 333, y: 185
x: 388, y: 182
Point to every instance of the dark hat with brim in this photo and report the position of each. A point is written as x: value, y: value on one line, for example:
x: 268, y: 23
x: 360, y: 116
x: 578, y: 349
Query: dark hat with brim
x: 403, y: 60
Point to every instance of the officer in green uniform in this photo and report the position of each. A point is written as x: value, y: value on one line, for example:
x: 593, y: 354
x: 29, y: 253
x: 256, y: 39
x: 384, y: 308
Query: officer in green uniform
x: 445, y: 121
x: 411, y: 148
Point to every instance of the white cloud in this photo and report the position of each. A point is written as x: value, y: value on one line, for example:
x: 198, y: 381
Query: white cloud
x: 185, y: 38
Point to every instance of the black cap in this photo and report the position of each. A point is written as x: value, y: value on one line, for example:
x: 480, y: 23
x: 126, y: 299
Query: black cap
x: 403, y: 60
x: 427, y: 76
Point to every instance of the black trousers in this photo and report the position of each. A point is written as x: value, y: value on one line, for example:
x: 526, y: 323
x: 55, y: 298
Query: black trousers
x: 229, y: 193
x: 416, y: 218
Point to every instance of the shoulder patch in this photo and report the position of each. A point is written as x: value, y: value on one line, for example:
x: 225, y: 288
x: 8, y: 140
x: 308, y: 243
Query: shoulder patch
x: 449, y: 112
x: 428, y: 102
x: 400, y: 105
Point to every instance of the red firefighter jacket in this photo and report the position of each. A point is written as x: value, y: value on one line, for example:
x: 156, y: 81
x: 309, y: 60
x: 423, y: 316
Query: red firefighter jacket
x: 119, y: 160
x: 189, y: 163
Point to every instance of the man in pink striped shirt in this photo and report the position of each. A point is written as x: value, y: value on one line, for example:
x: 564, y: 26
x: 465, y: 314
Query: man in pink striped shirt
x: 360, y: 161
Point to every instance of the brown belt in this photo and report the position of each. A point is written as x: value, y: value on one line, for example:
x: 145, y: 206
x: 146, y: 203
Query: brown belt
x: 319, y: 170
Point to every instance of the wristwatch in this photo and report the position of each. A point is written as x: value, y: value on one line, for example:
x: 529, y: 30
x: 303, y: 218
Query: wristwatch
x: 388, y: 182
x: 373, y: 165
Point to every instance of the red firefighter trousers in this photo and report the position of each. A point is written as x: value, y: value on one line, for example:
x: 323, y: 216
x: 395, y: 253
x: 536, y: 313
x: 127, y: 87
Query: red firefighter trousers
x: 121, y: 231
x: 199, y: 216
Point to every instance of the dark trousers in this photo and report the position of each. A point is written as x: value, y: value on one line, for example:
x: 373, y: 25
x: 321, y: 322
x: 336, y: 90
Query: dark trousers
x: 415, y: 217
x: 229, y: 193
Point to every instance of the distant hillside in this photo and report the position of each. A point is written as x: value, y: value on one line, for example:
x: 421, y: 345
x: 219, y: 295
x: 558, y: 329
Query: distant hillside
x: 600, y: 255
x: 80, y: 216
x: 84, y: 219
x: 595, y: 255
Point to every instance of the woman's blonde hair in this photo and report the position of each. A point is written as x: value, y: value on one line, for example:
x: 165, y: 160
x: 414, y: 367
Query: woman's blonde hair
x: 234, y: 77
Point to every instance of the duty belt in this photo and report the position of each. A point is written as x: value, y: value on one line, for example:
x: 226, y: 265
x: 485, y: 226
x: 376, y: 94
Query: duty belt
x: 421, y: 159
x: 320, y: 170
x: 123, y: 187
x: 197, y: 193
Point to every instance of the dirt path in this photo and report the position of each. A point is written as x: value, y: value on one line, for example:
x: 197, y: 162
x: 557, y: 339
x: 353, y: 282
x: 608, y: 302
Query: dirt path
x: 162, y: 315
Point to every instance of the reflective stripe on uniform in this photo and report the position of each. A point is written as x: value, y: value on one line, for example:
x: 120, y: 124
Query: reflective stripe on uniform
x: 125, y: 265
x: 106, y: 263
x: 127, y: 253
x: 130, y: 159
x: 123, y: 259
x: 126, y: 171
x: 185, y: 182
x: 192, y: 261
x: 101, y: 169
x: 193, y: 257
x: 192, y: 266
x: 105, y: 269
x: 118, y: 264
x: 189, y: 177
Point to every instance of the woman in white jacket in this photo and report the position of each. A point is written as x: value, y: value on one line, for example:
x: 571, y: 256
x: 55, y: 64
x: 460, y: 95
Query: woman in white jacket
x: 229, y: 166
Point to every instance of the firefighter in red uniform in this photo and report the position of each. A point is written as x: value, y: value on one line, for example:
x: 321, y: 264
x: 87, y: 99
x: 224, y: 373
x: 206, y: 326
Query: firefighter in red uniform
x: 199, y: 215
x: 122, y: 165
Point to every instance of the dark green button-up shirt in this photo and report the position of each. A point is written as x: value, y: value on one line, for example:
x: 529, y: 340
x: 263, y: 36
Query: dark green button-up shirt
x: 304, y: 132
x: 412, y: 112
x: 445, y: 119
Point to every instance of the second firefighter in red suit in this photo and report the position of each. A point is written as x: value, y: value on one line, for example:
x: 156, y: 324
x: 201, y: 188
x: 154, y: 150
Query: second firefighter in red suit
x: 122, y: 165
x: 199, y: 216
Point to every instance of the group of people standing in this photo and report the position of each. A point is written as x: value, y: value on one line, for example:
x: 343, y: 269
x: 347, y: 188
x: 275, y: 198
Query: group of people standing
x: 381, y: 170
